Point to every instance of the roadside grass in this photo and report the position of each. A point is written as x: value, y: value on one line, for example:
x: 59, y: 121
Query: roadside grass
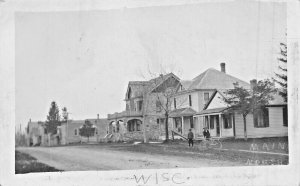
x: 272, y: 144
x: 25, y: 163
x: 180, y: 148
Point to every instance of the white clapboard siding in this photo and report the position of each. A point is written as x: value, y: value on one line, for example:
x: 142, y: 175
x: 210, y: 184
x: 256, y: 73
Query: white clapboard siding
x: 275, y: 128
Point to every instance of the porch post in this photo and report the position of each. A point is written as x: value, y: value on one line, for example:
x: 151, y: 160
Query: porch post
x: 182, y: 123
x: 221, y: 124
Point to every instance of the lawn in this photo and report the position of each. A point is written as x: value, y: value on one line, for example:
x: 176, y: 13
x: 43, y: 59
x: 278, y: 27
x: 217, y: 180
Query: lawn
x: 274, y: 144
x: 229, y: 151
x: 26, y: 164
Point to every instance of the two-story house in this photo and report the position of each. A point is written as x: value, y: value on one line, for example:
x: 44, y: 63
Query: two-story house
x: 270, y: 121
x: 193, y: 96
x: 144, y: 109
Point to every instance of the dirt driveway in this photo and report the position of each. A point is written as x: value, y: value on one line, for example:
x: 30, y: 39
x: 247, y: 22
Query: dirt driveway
x: 75, y: 158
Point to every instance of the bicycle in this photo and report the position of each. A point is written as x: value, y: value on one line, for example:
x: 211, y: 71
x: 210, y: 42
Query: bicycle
x: 211, y: 143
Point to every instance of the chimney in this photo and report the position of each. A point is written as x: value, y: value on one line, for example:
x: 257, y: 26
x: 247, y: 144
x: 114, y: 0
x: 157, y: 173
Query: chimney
x: 223, y: 67
x: 253, y: 83
x: 30, y: 120
x: 97, y: 116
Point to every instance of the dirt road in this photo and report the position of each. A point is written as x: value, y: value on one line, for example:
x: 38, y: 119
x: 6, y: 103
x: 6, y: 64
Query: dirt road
x: 78, y: 158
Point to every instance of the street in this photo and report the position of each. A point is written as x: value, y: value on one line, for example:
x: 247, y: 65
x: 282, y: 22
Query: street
x: 98, y: 157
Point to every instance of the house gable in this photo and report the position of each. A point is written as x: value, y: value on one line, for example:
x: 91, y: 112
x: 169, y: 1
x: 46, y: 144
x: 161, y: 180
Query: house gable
x: 168, y: 83
x: 216, y: 101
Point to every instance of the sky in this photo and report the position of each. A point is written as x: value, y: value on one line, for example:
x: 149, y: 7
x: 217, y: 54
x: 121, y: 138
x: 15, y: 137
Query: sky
x: 84, y: 60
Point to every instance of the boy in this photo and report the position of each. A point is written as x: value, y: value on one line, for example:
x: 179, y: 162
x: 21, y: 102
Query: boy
x: 190, y: 138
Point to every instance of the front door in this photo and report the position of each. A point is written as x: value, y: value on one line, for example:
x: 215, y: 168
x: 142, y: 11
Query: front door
x: 217, y: 125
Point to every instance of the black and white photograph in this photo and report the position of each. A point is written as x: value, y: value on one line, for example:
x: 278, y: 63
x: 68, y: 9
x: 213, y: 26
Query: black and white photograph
x: 171, y: 86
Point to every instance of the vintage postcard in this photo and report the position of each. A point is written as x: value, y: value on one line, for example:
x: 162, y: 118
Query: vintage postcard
x: 149, y: 92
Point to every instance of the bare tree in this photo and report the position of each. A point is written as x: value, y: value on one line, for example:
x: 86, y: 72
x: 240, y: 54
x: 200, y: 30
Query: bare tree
x: 159, y: 96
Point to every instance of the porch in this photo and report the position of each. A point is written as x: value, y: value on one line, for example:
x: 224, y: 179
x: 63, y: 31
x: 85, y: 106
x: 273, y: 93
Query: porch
x: 125, y: 128
x: 219, y: 122
x: 182, y: 120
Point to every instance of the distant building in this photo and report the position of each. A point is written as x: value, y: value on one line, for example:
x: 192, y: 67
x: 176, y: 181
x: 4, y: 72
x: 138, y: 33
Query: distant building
x: 36, y: 133
x: 67, y: 133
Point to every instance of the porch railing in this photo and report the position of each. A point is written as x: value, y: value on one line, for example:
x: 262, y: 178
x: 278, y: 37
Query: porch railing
x: 126, y: 113
x: 176, y: 133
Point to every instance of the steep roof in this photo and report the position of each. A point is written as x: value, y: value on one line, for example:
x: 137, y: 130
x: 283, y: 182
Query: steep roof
x: 137, y: 88
x: 186, y: 84
x: 214, y: 79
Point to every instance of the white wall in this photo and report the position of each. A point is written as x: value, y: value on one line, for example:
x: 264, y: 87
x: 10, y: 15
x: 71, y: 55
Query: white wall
x: 275, y: 128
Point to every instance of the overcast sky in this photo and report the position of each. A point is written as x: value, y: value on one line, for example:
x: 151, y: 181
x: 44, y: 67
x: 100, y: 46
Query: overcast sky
x: 84, y: 60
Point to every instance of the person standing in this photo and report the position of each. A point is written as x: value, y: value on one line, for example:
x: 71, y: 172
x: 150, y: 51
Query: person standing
x: 206, y: 133
x: 190, y: 138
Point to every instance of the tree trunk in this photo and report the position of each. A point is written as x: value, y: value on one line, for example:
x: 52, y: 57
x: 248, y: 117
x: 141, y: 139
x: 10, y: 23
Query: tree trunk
x: 167, y: 127
x: 245, y: 127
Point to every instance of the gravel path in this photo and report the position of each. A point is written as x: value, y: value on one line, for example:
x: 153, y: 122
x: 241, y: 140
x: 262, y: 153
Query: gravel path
x: 79, y: 158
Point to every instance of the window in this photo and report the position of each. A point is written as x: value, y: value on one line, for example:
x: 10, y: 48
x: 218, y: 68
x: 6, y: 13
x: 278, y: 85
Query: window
x: 127, y: 106
x: 227, y: 121
x: 177, y: 122
x: 158, y: 106
x: 285, y: 116
x: 45, y: 131
x: 174, y: 103
x: 206, y: 97
x: 75, y: 132
x: 134, y: 125
x: 261, y: 118
x: 130, y: 126
x: 140, y: 105
x: 190, y: 100
x: 129, y: 93
x: 96, y: 131
x: 157, y: 121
